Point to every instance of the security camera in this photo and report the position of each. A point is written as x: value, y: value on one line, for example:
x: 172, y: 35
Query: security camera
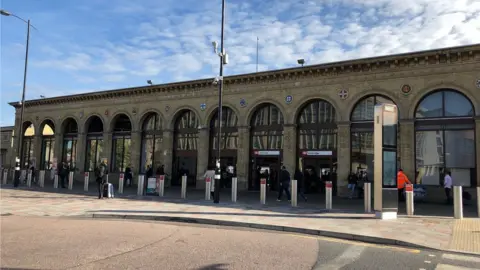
x: 215, y: 81
x: 215, y: 46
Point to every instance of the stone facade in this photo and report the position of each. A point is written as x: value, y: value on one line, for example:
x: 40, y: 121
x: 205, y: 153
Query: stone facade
x: 6, y: 146
x: 453, y: 68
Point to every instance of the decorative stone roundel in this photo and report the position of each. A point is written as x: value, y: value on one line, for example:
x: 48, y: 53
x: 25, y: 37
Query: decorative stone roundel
x: 167, y: 108
x: 406, y: 89
x: 134, y: 111
x: 106, y: 112
x: 343, y: 94
x: 478, y: 83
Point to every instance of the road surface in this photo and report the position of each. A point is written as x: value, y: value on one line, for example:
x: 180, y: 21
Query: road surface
x: 66, y: 243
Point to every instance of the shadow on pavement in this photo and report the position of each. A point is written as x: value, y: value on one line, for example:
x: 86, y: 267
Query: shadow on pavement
x: 218, y: 266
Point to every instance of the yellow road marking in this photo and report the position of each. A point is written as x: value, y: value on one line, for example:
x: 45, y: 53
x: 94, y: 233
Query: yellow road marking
x: 351, y: 242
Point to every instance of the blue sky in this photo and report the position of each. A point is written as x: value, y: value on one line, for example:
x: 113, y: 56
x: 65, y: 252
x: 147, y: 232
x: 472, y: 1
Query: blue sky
x: 91, y: 45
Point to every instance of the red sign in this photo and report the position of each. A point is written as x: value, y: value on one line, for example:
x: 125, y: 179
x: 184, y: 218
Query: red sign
x: 87, y: 174
x: 409, y: 188
x: 263, y: 181
x: 208, y: 180
x: 328, y: 184
x: 161, y: 177
x: 121, y: 176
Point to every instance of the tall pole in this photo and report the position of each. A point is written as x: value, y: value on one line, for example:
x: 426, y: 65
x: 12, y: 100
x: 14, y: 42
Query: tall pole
x: 257, y: 54
x: 20, y: 135
x: 216, y: 195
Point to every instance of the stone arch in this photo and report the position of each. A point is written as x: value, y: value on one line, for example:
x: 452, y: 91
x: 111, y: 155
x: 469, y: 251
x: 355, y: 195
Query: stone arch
x: 46, y: 121
x: 306, y: 100
x: 64, y: 122
x: 88, y: 120
x: 211, y: 113
x: 251, y: 111
x: 359, y: 98
x: 171, y: 122
x: 114, y: 118
x: 423, y: 93
x: 146, y: 113
x: 26, y: 124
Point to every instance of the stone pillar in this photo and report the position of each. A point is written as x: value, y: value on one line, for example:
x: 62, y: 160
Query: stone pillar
x: 15, y: 137
x: 167, y: 154
x: 135, y: 154
x: 406, y: 146
x: 203, y: 150
x: 477, y: 149
x: 81, y: 152
x: 290, y: 148
x: 243, y: 157
x: 107, y: 150
x: 343, y: 157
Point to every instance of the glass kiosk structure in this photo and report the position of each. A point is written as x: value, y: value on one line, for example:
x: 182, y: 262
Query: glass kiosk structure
x: 385, y: 161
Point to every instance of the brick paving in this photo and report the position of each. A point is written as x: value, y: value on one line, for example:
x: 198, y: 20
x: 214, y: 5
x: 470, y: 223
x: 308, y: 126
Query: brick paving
x: 434, y: 232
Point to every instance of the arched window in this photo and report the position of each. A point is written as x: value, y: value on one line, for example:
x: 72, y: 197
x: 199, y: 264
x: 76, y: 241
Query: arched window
x: 95, y: 143
x: 152, y: 135
x: 445, y: 138
x: 229, y: 137
x: 185, y: 147
x: 361, y: 133
x: 48, y: 145
x: 317, y: 128
x: 122, y: 132
x: 28, y: 145
x: 267, y: 128
x: 70, y: 133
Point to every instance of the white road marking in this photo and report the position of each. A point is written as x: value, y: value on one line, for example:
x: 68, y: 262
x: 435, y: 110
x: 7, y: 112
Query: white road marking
x: 431, y: 255
x: 461, y: 258
x: 427, y: 262
x: 350, y: 255
x: 452, y: 267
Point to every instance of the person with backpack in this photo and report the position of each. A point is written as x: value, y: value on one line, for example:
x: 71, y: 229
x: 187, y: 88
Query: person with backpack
x: 101, y: 178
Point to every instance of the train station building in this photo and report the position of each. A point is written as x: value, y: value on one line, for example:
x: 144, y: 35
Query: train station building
x: 319, y: 117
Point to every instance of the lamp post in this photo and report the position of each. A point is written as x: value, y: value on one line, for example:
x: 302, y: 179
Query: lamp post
x: 20, y: 135
x: 301, y: 62
x: 219, y: 81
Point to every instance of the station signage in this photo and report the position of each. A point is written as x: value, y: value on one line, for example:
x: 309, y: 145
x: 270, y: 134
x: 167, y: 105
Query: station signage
x: 267, y: 153
x: 317, y: 153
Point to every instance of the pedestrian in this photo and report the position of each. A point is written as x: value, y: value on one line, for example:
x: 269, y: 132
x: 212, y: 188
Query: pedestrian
x: 128, y: 176
x: 352, y: 183
x: 447, y: 185
x: 63, y: 173
x: 402, y: 181
x: 101, y: 178
x: 300, y: 183
x: 210, y: 173
x: 284, y: 183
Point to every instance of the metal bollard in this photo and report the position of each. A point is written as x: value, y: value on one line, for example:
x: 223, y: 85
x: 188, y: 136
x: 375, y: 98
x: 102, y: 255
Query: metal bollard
x: 141, y: 183
x: 41, y: 179
x: 161, y: 188
x: 86, y: 181
x: 328, y: 195
x: 234, y: 189
x: 263, y: 190
x: 5, y: 176
x: 208, y: 187
x: 409, y: 199
x: 294, y: 192
x: 184, y: 187
x: 70, y: 180
x: 55, y: 181
x: 457, y: 202
x: 29, y: 178
x: 367, y: 196
x: 121, y: 183
x: 478, y: 201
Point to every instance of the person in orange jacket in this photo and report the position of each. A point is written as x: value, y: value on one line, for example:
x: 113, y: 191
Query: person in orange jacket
x: 402, y: 180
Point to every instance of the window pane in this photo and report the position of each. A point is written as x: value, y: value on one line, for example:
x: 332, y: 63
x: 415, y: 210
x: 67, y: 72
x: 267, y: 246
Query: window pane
x: 429, y: 175
x: 94, y: 152
x: 327, y: 139
x: 362, y: 152
x: 186, y: 141
x: 431, y: 106
x: 127, y: 155
x: 307, y: 139
x: 88, y: 156
x: 460, y: 149
x: 117, y: 154
x: 364, y: 110
x: 259, y: 140
x: 275, y: 140
x: 461, y: 177
x: 457, y: 104
x: 429, y: 156
x: 231, y: 140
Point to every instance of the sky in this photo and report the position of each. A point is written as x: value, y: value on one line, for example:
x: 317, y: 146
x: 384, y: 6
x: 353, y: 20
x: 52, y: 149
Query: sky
x: 92, y: 45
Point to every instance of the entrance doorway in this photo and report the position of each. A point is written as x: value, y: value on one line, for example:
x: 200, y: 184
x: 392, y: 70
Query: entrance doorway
x: 317, y: 170
x: 264, y: 167
x: 184, y: 165
x: 228, y: 166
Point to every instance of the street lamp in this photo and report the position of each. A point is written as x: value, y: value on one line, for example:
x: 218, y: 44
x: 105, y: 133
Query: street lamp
x: 20, y: 135
x: 301, y: 61
x: 219, y: 80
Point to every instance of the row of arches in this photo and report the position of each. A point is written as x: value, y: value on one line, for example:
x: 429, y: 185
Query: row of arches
x: 316, y: 130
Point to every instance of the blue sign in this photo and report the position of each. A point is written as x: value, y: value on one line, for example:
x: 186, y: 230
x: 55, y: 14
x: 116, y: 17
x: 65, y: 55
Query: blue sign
x: 288, y: 99
x: 203, y: 106
x: 243, y: 102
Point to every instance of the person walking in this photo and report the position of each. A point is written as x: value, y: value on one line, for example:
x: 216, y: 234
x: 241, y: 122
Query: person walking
x: 447, y: 185
x: 101, y: 178
x: 63, y: 173
x: 352, y: 184
x: 300, y: 183
x: 284, y: 183
x: 402, y: 181
x: 210, y: 173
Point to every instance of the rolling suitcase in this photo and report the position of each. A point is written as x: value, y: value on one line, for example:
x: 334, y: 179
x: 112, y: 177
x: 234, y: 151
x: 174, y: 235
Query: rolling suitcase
x: 108, y: 190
